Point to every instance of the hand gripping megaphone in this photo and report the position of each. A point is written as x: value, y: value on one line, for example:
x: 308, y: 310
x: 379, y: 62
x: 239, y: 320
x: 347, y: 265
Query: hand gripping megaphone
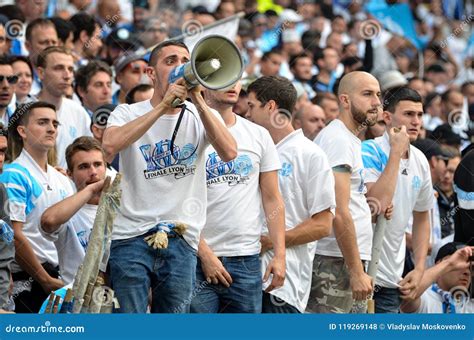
x: 216, y: 64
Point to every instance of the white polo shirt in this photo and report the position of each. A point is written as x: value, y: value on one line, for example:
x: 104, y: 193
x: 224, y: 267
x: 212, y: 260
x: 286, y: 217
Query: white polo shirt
x: 235, y: 216
x: 413, y: 192
x: 307, y: 186
x: 342, y: 147
x: 31, y: 191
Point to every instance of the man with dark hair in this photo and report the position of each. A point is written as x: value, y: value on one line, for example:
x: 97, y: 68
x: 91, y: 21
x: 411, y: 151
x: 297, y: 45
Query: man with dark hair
x: 87, y: 40
x: 301, y: 66
x: 151, y: 160
x: 338, y: 273
x: 40, y: 34
x: 467, y: 90
x: 56, y: 71
x: 329, y: 103
x: 444, y: 287
x: 229, y: 252
x: 8, y: 80
x: 452, y: 102
x: 307, y: 187
x: 65, y: 30
x: 130, y: 71
x: 326, y: 60
x: 69, y: 222
x: 270, y: 63
x: 139, y: 93
x: 32, y: 186
x: 94, y: 85
x: 7, y: 248
x: 398, y: 172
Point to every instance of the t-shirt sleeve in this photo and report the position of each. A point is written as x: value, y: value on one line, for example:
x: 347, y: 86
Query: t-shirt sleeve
x: 338, y: 150
x: 22, y: 191
x: 120, y: 116
x: 270, y: 160
x: 372, y: 160
x: 424, y: 201
x: 320, y: 184
x: 55, y: 235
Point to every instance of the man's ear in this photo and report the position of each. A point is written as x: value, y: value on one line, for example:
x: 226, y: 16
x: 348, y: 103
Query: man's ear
x: 150, y: 72
x: 84, y: 38
x: 432, y: 161
x: 40, y: 71
x: 296, y: 122
x: 387, y: 117
x: 272, y: 105
x: 28, y: 46
x: 21, y: 131
x: 344, y: 99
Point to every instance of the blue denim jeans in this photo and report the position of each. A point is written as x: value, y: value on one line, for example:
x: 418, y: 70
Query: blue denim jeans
x: 244, y: 294
x: 170, y: 272
x: 387, y: 300
x: 274, y: 305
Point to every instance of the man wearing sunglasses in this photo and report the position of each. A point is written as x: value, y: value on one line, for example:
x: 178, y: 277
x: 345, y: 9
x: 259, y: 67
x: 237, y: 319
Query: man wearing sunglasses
x: 8, y: 81
x: 129, y: 72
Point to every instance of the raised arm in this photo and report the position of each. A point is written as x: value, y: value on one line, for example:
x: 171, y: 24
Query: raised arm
x: 117, y: 138
x: 61, y: 212
x: 217, y: 133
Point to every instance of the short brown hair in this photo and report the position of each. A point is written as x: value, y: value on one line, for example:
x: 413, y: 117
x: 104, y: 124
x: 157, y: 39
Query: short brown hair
x: 276, y: 88
x: 21, y: 117
x: 156, y: 51
x: 41, y: 59
x: 84, y: 74
x: 37, y: 23
x: 83, y: 143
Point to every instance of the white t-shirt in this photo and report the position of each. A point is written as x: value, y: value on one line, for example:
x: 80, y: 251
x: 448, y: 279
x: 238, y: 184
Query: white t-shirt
x: 74, y: 122
x: 235, y: 215
x: 344, y: 148
x: 413, y: 192
x: 432, y: 303
x: 30, y: 192
x: 307, y: 185
x: 71, y: 240
x: 159, y: 185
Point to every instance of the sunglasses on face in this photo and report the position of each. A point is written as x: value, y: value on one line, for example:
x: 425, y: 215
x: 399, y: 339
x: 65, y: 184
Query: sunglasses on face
x: 10, y: 79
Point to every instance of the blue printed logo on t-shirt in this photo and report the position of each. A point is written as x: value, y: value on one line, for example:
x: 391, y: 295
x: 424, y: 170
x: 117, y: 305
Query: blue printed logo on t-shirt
x: 6, y: 232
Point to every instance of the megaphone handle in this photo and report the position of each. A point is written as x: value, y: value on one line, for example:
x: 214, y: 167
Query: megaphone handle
x: 176, y: 102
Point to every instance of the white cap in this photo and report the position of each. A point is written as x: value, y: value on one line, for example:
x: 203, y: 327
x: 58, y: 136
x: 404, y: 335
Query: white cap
x: 392, y: 79
x: 290, y: 15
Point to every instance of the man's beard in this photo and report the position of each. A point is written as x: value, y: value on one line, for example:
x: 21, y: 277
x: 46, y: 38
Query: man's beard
x: 362, y: 117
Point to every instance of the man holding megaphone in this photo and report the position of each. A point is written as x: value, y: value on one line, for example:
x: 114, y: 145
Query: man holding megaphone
x: 163, y: 209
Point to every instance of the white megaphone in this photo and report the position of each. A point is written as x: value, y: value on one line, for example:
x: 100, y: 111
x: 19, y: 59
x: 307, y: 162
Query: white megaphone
x: 216, y: 64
